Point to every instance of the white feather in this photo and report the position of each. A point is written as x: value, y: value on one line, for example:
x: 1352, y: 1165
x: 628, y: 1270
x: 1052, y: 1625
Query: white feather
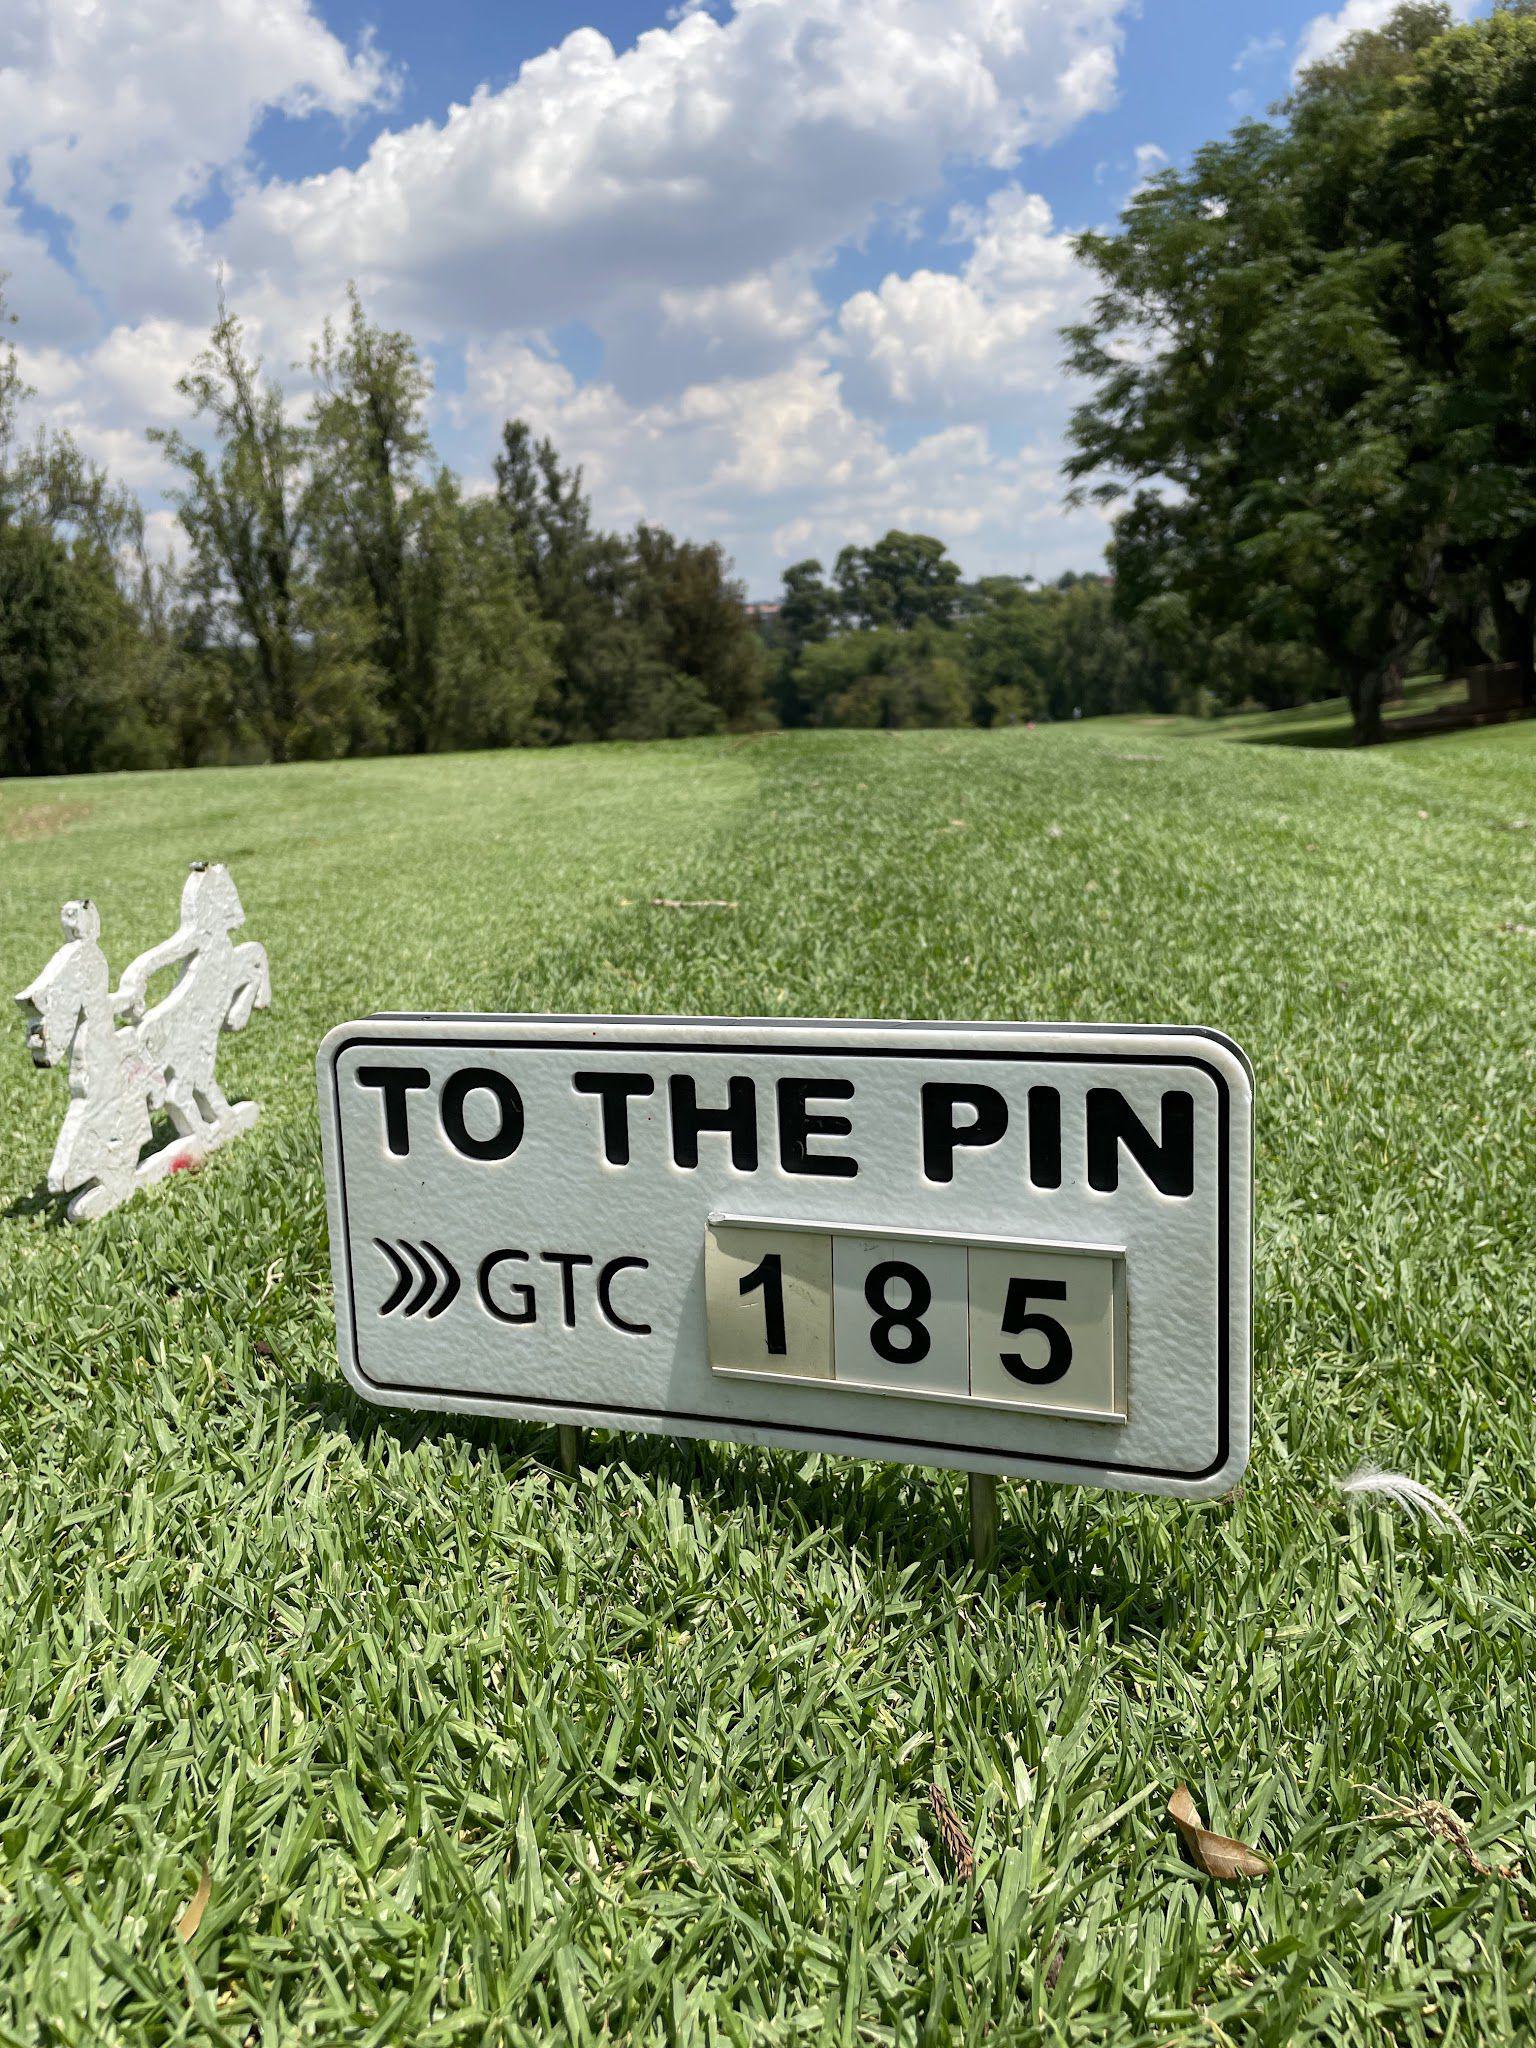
x: 1403, y: 1492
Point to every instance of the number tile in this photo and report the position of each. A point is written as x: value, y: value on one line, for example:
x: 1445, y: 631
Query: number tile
x: 768, y: 1300
x: 1047, y: 1329
x: 899, y: 1315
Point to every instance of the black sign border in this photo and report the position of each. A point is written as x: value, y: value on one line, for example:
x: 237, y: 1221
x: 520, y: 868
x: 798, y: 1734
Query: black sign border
x: 820, y: 1432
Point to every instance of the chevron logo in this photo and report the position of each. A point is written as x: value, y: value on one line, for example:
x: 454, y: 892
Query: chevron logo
x: 436, y: 1283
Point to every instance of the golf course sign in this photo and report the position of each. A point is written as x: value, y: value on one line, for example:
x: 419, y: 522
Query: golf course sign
x: 1011, y: 1249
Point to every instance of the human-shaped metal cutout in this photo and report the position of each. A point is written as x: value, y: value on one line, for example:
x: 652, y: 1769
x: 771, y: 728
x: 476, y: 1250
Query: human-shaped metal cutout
x: 217, y: 989
x: 166, y: 1055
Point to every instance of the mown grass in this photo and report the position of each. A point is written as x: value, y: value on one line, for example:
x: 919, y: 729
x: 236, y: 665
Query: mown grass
x: 470, y: 1754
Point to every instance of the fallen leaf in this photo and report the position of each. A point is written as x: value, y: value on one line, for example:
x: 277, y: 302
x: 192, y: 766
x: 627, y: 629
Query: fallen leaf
x: 262, y: 1348
x: 957, y: 1843
x: 697, y: 903
x: 193, y: 1911
x: 1217, y: 1855
x: 1447, y: 1826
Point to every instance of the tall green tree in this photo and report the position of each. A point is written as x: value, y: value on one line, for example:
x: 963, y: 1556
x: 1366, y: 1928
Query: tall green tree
x: 1097, y: 663
x: 77, y: 676
x: 806, y: 615
x: 1008, y: 650
x: 300, y: 673
x: 1286, y: 356
x: 808, y: 611
x: 367, y: 449
x: 1447, y: 177
x: 426, y: 582
x: 651, y: 635
x: 697, y: 612
x: 888, y: 678
x: 579, y: 579
x: 897, y: 581
x: 481, y: 663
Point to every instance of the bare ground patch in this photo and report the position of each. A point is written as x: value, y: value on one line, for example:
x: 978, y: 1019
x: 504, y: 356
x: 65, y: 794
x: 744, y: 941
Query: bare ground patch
x: 42, y: 821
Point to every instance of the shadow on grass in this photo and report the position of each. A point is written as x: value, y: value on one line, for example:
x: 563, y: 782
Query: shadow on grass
x: 41, y: 1202
x: 1397, y: 732
x: 1336, y: 739
x: 1086, y: 1570
x: 1429, y: 708
x: 51, y: 1207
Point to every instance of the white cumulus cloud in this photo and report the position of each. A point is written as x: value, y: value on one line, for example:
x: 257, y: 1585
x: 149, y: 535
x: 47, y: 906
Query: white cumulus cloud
x: 680, y: 203
x: 116, y: 116
x: 987, y: 335
x: 783, y: 465
x: 711, y: 152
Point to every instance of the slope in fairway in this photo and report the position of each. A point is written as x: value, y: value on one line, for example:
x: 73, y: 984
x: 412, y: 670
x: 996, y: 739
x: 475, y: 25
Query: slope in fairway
x: 470, y: 1755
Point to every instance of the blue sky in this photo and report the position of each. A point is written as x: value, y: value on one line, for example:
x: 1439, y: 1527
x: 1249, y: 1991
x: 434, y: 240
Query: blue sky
x: 777, y: 272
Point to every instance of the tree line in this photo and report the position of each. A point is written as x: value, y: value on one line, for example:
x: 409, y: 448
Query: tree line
x: 339, y: 591
x: 1312, y: 376
x: 895, y: 637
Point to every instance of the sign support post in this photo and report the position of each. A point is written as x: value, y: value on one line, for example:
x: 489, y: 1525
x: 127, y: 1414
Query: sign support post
x: 570, y: 1449
x: 984, y: 1519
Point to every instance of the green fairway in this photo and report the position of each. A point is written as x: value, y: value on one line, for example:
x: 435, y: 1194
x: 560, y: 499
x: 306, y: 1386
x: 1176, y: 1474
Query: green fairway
x: 473, y: 1755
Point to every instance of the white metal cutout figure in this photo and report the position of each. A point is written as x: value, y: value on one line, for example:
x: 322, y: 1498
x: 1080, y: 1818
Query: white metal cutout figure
x: 218, y: 987
x: 165, y: 1057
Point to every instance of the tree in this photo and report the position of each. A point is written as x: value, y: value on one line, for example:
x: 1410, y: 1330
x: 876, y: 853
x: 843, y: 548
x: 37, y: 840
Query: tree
x: 1448, y: 184
x: 807, y: 614
x: 425, y: 584
x: 1323, y: 447
x: 579, y: 578
x: 809, y: 609
x: 1008, y: 650
x: 481, y: 658
x: 888, y: 678
x: 897, y: 581
x: 367, y: 445
x: 76, y: 675
x: 301, y: 678
x: 1098, y: 663
x: 651, y: 636
x: 697, y: 614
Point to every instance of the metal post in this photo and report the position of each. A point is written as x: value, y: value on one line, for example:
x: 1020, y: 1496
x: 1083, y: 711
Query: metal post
x: 570, y: 1448
x: 983, y: 1519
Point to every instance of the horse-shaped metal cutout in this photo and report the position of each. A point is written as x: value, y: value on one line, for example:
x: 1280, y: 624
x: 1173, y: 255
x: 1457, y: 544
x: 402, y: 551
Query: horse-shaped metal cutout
x: 165, y: 1057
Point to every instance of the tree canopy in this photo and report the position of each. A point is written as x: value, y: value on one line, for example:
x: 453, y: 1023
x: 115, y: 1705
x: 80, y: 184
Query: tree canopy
x: 1313, y: 352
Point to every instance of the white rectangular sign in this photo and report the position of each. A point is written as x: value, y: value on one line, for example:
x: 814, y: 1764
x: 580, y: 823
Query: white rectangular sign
x: 1018, y: 1249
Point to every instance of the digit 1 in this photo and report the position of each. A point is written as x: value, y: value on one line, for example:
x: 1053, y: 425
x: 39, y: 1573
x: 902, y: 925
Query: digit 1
x: 768, y: 1276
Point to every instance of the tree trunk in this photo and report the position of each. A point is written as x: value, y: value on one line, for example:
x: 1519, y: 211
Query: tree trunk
x: 1365, y: 690
x: 1513, y: 623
